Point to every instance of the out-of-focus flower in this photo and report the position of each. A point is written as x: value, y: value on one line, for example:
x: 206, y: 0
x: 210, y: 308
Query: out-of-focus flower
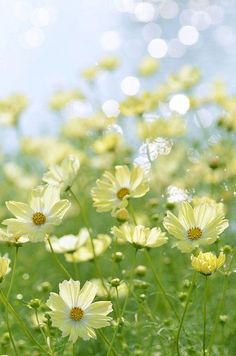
x: 68, y: 243
x: 11, y: 108
x: 36, y: 219
x: 207, y: 263
x: 86, y: 251
x: 109, y: 63
x: 63, y: 176
x: 90, y: 73
x: 73, y: 312
x: 140, y: 236
x: 115, y: 292
x: 4, y: 266
x: 12, y: 238
x: 17, y: 176
x: 110, y: 142
x: 62, y: 98
x: 196, y: 226
x: 206, y: 200
x: 112, y: 190
x: 148, y: 66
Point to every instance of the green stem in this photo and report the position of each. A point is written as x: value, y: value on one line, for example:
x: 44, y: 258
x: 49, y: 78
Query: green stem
x: 57, y: 260
x: 21, y: 323
x: 132, y: 213
x: 204, y: 318
x: 40, y: 327
x: 107, y: 342
x: 184, y: 312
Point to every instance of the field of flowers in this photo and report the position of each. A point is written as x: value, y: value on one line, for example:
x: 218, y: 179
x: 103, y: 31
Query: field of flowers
x: 118, y: 234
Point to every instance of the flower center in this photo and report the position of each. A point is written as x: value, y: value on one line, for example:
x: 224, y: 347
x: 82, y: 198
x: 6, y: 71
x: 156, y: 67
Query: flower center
x: 194, y: 233
x: 76, y: 313
x: 39, y: 218
x: 122, y: 193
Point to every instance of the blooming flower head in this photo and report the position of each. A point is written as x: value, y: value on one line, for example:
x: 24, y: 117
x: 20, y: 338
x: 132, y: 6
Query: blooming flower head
x: 68, y: 243
x: 4, y: 266
x: 207, y: 263
x: 140, y: 236
x: 12, y: 238
x: 36, y: 219
x: 64, y: 175
x: 73, y: 312
x: 113, y: 190
x: 196, y: 226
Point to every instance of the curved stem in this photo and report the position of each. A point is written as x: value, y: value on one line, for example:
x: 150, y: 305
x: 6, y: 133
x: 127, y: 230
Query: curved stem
x: 184, y: 313
x: 204, y: 318
x: 58, y: 261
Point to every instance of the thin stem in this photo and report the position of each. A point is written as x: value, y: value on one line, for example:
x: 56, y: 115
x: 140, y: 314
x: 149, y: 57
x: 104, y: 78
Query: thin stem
x: 57, y: 260
x: 204, y: 318
x: 107, y: 342
x: 184, y: 312
x: 74, y: 350
x: 40, y: 327
x: 132, y: 213
x: 21, y: 323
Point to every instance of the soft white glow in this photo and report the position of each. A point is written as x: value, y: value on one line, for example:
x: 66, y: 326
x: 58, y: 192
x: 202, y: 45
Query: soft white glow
x: 40, y: 17
x: 169, y: 9
x: 22, y: 10
x: 179, y: 103
x: 130, y: 85
x: 201, y: 20
x: 150, y: 31
x: 204, y: 118
x: 216, y: 13
x: 157, y: 48
x: 110, y: 40
x: 111, y: 108
x: 177, y: 195
x: 176, y: 49
x: 34, y: 37
x: 188, y: 35
x: 225, y: 36
x: 144, y: 12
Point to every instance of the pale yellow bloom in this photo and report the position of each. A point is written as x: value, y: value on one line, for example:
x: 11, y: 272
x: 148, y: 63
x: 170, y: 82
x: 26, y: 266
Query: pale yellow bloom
x: 196, y: 226
x: 4, y: 266
x: 113, y: 189
x: 68, y: 243
x: 73, y: 312
x: 140, y: 236
x: 106, y: 291
x: 12, y: 238
x: 62, y: 98
x: 148, y: 66
x: 37, y: 219
x: 63, y: 175
x: 207, y: 263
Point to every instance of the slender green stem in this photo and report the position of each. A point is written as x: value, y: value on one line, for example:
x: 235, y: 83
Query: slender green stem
x: 21, y: 323
x: 58, y: 261
x: 74, y: 349
x: 204, y: 318
x: 107, y: 342
x: 161, y: 287
x: 40, y: 327
x: 132, y: 213
x: 184, y: 313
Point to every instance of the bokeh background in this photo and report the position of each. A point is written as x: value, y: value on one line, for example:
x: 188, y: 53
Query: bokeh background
x: 45, y: 44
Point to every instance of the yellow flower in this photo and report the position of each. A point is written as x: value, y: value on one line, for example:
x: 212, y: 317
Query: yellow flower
x: 4, y: 266
x: 140, y: 236
x: 68, y: 243
x: 108, y: 143
x: 63, y: 97
x: 12, y: 238
x: 36, y: 219
x: 196, y: 226
x: 84, y: 252
x: 113, y: 190
x: 63, y: 176
x: 109, y: 63
x: 207, y: 263
x: 148, y: 66
x: 73, y: 312
x: 11, y: 108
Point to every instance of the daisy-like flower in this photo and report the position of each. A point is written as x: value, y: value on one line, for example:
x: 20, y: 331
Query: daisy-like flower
x: 63, y: 176
x: 68, y: 243
x: 140, y: 236
x: 73, y: 312
x: 196, y: 226
x: 4, y: 266
x: 37, y: 219
x: 207, y: 263
x: 12, y: 238
x: 113, y: 190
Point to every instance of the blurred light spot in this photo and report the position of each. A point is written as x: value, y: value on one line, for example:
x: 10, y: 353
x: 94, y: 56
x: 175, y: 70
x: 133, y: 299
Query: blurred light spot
x: 78, y: 108
x: 111, y: 108
x: 225, y: 36
x: 19, y: 296
x: 144, y: 163
x: 40, y: 17
x: 34, y: 37
x: 130, y: 85
x: 179, y: 103
x: 177, y: 195
x: 114, y: 128
x: 110, y: 40
x: 144, y: 12
x: 186, y: 17
x: 216, y: 13
x: 175, y: 48
x: 153, y: 148
x: 169, y: 9
x: 204, y: 118
x: 201, y: 20
x: 157, y: 48
x: 151, y: 31
x: 25, y: 276
x: 22, y: 10
x: 188, y: 35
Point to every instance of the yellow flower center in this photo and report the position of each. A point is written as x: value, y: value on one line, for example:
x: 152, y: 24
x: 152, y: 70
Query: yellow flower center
x: 194, y: 233
x: 122, y: 193
x: 39, y: 218
x: 76, y: 313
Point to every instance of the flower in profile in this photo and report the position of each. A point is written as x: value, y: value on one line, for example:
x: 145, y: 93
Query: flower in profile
x: 4, y: 266
x: 196, y: 226
x: 113, y: 190
x: 73, y: 312
x: 68, y: 243
x: 12, y: 238
x: 140, y: 236
x: 63, y: 176
x: 37, y: 219
x: 207, y: 263
x: 85, y: 251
